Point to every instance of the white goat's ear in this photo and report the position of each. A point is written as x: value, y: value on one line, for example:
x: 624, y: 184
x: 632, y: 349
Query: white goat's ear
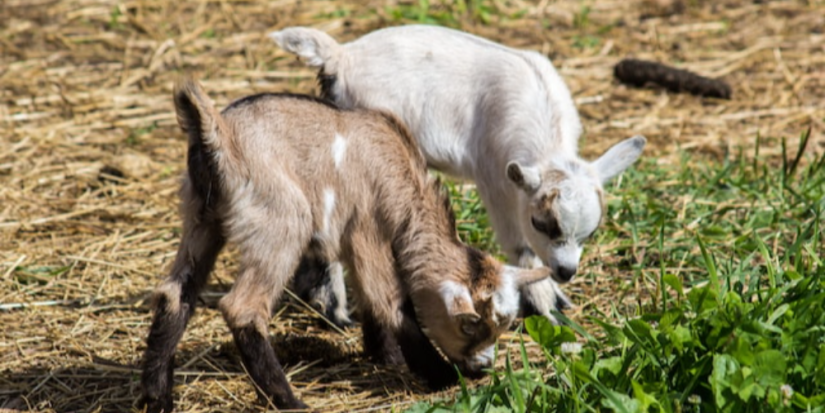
x: 458, y: 301
x: 524, y: 276
x: 527, y: 178
x: 619, y: 157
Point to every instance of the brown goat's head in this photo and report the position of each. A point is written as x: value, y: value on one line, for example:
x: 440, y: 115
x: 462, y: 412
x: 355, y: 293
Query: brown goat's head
x: 464, y: 319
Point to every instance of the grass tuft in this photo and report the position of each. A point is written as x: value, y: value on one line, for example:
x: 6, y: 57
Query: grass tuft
x: 733, y: 253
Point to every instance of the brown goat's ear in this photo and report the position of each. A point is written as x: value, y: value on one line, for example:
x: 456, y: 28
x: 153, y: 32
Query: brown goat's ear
x: 524, y: 276
x: 469, y: 323
x: 458, y: 302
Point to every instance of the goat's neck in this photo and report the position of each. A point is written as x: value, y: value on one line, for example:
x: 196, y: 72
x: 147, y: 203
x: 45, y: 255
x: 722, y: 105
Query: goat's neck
x: 427, y: 245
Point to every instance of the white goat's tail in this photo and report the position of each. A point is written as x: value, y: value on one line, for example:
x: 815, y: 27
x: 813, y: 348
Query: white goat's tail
x: 314, y: 46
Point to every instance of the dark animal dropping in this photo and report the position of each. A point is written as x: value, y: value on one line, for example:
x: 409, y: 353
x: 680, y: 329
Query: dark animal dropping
x: 640, y: 72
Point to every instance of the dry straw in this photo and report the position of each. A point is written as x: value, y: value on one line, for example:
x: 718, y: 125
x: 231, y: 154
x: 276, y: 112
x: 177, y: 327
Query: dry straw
x: 90, y: 159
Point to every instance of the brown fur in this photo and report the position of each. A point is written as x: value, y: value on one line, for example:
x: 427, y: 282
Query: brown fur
x: 265, y: 170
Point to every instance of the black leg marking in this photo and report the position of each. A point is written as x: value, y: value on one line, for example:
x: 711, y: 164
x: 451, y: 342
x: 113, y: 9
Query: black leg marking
x: 260, y: 361
x: 310, y: 275
x: 313, y: 284
x: 379, y: 343
x: 190, y: 273
x: 422, y: 357
x: 167, y: 329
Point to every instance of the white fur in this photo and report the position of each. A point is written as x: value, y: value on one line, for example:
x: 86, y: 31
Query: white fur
x: 329, y: 208
x: 506, y: 298
x: 452, y: 292
x: 483, y: 358
x: 339, y: 149
x: 475, y: 107
x: 339, y: 290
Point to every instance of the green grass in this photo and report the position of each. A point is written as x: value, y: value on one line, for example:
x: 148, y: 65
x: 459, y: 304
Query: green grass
x: 449, y: 13
x: 729, y: 255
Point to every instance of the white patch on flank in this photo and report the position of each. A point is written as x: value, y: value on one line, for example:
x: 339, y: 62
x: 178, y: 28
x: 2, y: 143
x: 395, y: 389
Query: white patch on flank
x: 339, y: 148
x: 329, y: 207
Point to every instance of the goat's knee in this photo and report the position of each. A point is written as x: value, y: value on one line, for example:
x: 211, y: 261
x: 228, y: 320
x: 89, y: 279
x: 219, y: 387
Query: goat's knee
x: 244, y: 310
x: 167, y: 298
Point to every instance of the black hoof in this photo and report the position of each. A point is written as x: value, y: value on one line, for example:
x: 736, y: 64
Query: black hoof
x: 153, y: 405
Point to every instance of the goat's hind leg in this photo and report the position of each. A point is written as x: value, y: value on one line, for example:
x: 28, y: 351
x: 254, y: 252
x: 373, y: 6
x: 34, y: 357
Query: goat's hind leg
x: 247, y: 310
x: 175, y: 301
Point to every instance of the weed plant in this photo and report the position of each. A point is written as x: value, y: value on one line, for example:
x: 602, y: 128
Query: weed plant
x: 733, y: 321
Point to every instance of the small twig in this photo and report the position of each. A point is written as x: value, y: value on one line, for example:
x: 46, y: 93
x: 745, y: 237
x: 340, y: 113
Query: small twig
x: 318, y: 313
x: 198, y: 356
x: 17, y: 306
x: 110, y: 264
x: 14, y: 266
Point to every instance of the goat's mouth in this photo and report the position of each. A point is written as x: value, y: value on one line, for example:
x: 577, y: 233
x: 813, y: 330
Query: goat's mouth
x: 561, y: 274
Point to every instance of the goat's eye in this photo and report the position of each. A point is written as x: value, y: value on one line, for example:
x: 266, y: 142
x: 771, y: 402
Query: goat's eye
x: 550, y: 228
x: 538, y: 225
x: 470, y: 328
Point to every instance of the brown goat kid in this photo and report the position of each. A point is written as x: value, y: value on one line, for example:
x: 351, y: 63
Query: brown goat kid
x: 286, y: 177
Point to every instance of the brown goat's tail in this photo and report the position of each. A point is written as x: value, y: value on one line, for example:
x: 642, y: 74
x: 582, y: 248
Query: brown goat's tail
x: 208, y: 137
x: 197, y: 116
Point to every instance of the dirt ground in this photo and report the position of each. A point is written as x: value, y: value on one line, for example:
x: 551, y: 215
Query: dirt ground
x: 90, y: 158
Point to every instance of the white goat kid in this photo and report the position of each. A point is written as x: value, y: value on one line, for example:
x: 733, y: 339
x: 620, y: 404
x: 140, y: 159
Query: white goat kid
x: 481, y: 111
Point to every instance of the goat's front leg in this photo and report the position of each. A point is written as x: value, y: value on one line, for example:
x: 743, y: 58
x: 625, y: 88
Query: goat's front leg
x: 175, y: 301
x: 540, y: 297
x: 247, y: 309
x: 537, y: 298
x: 321, y: 285
x: 380, y: 343
x: 421, y: 356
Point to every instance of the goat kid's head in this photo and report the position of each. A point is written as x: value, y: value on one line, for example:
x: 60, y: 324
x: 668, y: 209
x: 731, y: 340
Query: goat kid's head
x: 464, y: 320
x: 565, y: 203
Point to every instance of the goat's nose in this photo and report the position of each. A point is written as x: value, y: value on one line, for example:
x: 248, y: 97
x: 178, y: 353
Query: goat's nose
x: 566, y: 273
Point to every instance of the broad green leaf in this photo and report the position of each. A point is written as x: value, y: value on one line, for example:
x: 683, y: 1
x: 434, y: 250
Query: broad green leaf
x: 724, y: 367
x: 769, y: 368
x: 675, y: 283
x: 645, y: 400
x: 542, y: 331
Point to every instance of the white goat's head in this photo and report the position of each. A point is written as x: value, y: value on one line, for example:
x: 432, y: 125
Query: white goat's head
x: 565, y: 202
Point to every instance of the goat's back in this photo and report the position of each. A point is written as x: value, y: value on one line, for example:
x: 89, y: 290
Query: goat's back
x: 461, y: 95
x: 304, y: 157
x: 315, y: 141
